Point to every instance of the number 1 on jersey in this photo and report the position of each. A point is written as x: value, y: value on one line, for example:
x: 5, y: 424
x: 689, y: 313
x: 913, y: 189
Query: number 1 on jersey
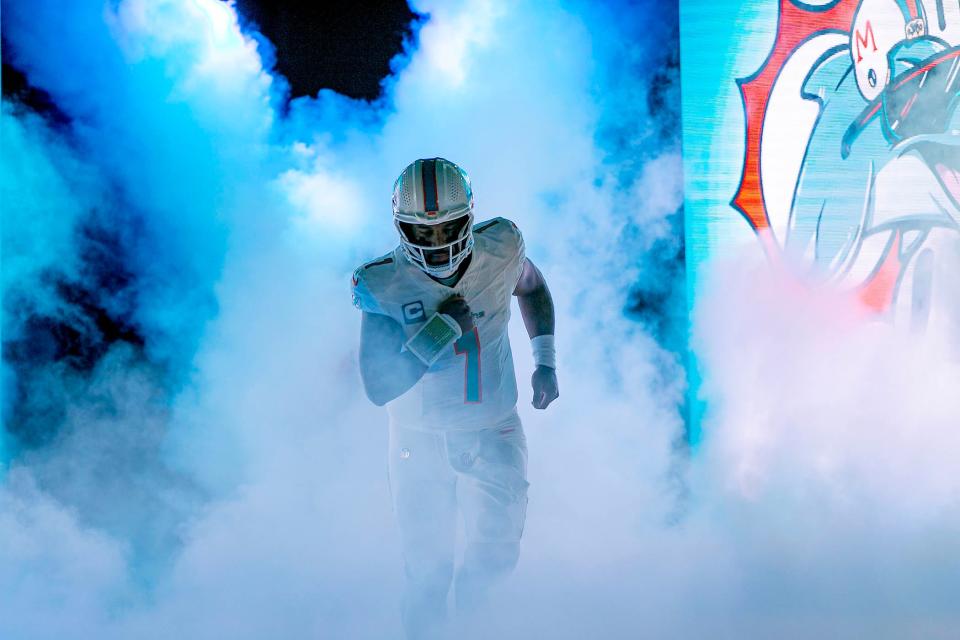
x: 469, y: 345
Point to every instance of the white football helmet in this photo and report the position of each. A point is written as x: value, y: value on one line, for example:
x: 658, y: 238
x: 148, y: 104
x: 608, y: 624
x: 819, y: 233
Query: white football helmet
x: 430, y: 193
x: 878, y: 27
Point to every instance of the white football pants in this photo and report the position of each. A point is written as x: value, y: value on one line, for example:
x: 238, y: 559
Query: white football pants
x: 433, y: 475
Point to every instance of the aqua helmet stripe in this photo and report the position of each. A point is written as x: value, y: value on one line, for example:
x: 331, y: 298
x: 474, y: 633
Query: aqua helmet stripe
x: 428, y: 174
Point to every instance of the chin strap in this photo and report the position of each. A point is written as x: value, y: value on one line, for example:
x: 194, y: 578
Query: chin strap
x: 446, y: 276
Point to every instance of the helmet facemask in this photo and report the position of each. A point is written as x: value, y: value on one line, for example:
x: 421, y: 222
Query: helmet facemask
x: 437, y: 257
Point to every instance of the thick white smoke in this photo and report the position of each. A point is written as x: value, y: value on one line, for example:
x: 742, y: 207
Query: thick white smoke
x: 232, y: 481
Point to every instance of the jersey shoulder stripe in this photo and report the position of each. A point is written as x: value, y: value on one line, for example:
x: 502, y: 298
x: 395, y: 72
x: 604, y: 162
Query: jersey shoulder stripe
x: 370, y: 278
x: 497, y: 226
x: 500, y: 236
x: 378, y: 262
x: 502, y: 242
x: 483, y: 226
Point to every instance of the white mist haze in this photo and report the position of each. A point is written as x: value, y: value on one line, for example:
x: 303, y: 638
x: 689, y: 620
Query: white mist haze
x: 229, y: 478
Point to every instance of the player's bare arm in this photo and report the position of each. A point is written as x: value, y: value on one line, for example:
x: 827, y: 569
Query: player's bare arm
x: 386, y: 369
x: 536, y: 308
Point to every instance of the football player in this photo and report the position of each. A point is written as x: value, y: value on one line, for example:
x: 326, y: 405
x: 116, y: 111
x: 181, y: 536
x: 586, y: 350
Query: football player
x: 434, y: 349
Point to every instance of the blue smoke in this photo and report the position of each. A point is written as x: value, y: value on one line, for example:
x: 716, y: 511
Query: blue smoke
x: 190, y: 453
x: 179, y: 345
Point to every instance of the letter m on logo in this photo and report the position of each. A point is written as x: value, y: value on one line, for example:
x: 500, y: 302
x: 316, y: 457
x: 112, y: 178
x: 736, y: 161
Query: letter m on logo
x: 862, y: 40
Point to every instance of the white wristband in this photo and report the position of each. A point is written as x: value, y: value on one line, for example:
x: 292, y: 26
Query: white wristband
x: 544, y: 352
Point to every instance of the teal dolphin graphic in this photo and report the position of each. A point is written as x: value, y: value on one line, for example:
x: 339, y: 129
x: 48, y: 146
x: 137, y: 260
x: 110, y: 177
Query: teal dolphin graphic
x: 890, y: 165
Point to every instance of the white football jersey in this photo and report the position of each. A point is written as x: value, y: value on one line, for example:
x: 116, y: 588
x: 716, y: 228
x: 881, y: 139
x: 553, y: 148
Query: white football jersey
x: 473, y: 385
